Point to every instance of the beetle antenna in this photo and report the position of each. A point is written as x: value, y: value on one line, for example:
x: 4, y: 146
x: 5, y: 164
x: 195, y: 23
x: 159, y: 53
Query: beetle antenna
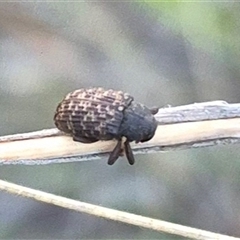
x: 154, y: 110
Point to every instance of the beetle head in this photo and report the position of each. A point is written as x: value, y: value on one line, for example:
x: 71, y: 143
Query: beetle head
x: 138, y: 123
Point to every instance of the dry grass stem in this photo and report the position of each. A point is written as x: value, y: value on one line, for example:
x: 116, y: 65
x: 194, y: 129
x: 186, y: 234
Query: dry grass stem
x: 189, y: 126
x: 115, y: 215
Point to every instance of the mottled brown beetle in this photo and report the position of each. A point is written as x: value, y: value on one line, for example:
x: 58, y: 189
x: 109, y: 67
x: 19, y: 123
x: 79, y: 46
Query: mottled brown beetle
x: 96, y: 114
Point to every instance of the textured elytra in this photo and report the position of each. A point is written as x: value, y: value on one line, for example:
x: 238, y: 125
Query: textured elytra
x: 96, y: 114
x: 92, y: 113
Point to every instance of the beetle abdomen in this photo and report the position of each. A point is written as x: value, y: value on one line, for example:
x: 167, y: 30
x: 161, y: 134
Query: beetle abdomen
x: 92, y: 113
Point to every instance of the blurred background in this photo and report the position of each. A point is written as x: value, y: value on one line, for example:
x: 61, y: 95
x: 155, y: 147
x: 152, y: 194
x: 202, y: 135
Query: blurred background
x: 161, y: 53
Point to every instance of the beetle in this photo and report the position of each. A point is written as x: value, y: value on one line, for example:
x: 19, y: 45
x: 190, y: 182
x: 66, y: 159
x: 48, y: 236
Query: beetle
x: 94, y: 114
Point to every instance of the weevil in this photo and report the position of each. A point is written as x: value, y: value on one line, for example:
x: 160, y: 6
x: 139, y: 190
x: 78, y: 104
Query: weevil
x: 94, y: 114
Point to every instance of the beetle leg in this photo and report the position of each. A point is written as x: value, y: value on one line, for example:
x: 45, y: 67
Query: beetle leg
x: 115, y: 153
x: 129, y: 152
x: 154, y: 110
x: 84, y: 139
x: 121, y: 152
